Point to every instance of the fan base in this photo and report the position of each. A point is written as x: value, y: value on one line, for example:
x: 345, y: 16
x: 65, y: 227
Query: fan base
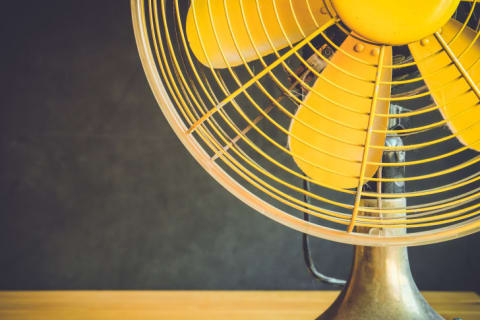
x: 381, y: 285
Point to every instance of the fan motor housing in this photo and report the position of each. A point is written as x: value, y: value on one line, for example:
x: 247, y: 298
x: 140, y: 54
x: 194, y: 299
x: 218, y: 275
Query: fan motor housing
x: 395, y: 22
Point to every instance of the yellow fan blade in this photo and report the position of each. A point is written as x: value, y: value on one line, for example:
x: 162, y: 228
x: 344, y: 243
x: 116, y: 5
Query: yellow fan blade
x: 449, y: 89
x: 348, y: 169
x: 205, y: 17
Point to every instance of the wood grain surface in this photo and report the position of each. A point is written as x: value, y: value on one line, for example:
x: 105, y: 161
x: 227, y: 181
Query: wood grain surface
x: 211, y: 305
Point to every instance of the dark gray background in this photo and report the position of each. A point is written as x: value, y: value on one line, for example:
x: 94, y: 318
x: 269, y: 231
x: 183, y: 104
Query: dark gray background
x: 96, y: 192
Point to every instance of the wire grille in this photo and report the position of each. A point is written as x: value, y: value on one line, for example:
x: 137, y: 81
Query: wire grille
x: 236, y: 109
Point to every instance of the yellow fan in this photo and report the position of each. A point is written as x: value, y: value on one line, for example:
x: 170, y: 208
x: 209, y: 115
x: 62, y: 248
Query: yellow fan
x: 363, y: 114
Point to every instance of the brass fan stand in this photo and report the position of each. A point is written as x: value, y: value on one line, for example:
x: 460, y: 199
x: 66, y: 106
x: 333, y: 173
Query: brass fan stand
x: 381, y: 284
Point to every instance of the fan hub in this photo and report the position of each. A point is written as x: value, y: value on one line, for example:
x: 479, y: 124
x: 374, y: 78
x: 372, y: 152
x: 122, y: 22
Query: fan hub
x: 395, y: 22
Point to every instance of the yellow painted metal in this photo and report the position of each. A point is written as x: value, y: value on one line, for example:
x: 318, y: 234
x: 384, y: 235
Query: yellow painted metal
x: 378, y: 88
x: 358, y: 122
x: 395, y: 22
x: 296, y: 18
x: 451, y: 71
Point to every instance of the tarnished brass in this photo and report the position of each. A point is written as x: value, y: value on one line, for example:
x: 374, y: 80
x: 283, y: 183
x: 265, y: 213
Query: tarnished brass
x: 381, y: 285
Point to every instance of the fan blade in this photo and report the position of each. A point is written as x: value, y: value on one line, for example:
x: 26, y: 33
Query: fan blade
x: 449, y: 88
x: 352, y: 155
x: 201, y: 28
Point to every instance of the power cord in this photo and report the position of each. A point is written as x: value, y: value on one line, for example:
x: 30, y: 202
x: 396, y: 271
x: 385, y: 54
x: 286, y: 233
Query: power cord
x: 307, y: 256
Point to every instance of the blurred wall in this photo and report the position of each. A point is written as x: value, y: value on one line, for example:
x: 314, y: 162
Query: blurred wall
x: 96, y: 192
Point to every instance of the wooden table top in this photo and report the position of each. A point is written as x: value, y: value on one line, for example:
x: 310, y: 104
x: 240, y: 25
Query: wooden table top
x: 211, y: 305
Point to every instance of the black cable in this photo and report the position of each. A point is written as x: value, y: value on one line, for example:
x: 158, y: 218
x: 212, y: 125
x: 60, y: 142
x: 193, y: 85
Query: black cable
x: 307, y: 256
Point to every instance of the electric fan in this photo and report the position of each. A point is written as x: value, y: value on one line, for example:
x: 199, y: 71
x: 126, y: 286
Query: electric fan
x: 362, y: 115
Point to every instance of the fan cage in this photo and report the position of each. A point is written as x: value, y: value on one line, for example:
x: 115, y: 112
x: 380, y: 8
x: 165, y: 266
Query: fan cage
x: 235, y: 121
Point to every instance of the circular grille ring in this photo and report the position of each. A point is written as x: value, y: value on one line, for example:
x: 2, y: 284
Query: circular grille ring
x: 269, y: 94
